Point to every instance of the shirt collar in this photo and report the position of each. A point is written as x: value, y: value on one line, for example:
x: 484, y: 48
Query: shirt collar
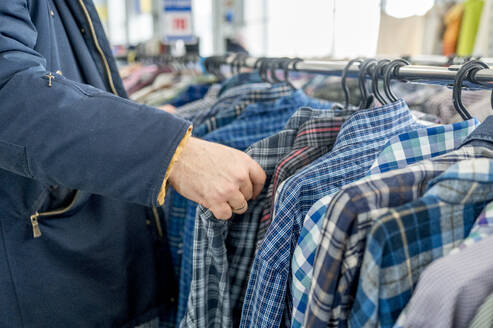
x: 482, y: 136
x: 320, y: 131
x: 467, y: 181
x: 299, y: 118
x: 464, y: 128
x: 375, y: 123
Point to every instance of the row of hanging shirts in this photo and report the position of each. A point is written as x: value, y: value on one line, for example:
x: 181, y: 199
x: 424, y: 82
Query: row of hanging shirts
x: 373, y: 214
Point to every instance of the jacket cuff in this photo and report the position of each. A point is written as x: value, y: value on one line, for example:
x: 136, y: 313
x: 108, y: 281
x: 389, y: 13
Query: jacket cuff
x: 178, y: 151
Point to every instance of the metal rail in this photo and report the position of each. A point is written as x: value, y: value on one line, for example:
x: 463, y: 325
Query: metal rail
x: 411, y: 73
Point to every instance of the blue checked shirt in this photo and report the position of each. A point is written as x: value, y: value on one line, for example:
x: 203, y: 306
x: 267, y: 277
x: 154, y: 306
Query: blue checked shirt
x: 406, y: 239
x: 224, y: 250
x: 228, y: 115
x: 360, y: 140
x: 240, y: 80
x: 188, y: 111
x: 256, y: 122
x: 350, y: 215
x: 225, y: 101
x: 447, y: 308
x: 261, y: 120
x: 399, y: 152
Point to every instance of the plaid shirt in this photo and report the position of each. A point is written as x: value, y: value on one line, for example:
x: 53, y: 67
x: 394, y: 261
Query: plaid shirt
x: 418, y: 145
x: 360, y: 140
x: 482, y: 229
x: 406, y: 239
x: 399, y: 152
x: 180, y: 208
x: 257, y: 122
x: 224, y: 250
x: 343, y: 236
x: 225, y: 101
x: 314, y: 139
x: 228, y: 115
x: 261, y: 120
x: 188, y: 111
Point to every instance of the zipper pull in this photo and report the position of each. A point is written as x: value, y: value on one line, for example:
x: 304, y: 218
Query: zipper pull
x: 35, y: 224
x: 50, y: 78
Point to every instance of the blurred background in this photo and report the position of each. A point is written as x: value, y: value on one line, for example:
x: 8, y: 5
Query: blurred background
x: 309, y: 28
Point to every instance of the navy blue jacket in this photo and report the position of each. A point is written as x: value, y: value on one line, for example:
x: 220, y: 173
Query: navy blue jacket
x: 80, y: 169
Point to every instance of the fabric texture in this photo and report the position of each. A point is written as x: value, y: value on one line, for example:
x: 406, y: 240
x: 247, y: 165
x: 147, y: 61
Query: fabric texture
x: 238, y: 98
x: 229, y: 114
x: 360, y: 140
x: 314, y: 139
x: 349, y: 218
x: 399, y: 152
x: 226, y: 100
x: 224, y: 250
x: 484, y: 316
x: 192, y: 93
x: 256, y: 122
x: 405, y: 240
x: 454, y: 301
x: 188, y: 111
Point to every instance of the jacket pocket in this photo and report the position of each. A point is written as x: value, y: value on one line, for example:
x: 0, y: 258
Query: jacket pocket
x: 13, y: 158
x: 76, y: 201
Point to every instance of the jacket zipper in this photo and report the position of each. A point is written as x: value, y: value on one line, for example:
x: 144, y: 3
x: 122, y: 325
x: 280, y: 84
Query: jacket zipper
x: 157, y: 221
x: 34, y: 218
x: 98, y: 47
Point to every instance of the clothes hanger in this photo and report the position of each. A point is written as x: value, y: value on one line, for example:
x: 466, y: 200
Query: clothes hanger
x: 366, y: 97
x: 466, y: 72
x: 390, y: 70
x: 377, y: 70
x: 345, y: 88
x: 263, y: 68
x: 274, y: 66
x: 233, y: 65
x: 285, y: 66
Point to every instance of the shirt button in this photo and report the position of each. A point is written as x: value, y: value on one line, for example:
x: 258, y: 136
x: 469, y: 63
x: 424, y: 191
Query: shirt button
x: 52, y: 13
x: 83, y: 30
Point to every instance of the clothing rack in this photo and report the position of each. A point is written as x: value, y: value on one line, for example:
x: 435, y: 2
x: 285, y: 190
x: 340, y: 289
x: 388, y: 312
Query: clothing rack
x: 410, y: 73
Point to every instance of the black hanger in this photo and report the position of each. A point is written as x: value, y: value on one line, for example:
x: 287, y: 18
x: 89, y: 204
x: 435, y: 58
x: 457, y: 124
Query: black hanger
x: 285, y: 66
x: 276, y: 64
x: 390, y: 70
x: 263, y: 68
x: 466, y: 72
x: 366, y: 97
x: 345, y: 88
x: 377, y: 70
x: 234, y: 69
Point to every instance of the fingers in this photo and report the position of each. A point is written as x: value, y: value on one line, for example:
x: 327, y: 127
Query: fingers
x: 238, y: 203
x: 257, y: 176
x: 246, y: 189
x: 222, y: 211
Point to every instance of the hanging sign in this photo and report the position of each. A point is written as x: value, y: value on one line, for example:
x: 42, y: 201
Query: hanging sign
x: 178, y: 23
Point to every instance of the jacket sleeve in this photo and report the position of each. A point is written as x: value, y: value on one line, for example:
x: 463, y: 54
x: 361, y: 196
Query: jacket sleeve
x: 72, y: 134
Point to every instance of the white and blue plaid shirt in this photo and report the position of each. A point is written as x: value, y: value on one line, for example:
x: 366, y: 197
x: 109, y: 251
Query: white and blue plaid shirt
x: 400, y: 151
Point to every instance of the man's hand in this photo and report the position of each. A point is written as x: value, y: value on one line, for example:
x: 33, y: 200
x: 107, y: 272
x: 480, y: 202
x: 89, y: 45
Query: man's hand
x: 219, y: 178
